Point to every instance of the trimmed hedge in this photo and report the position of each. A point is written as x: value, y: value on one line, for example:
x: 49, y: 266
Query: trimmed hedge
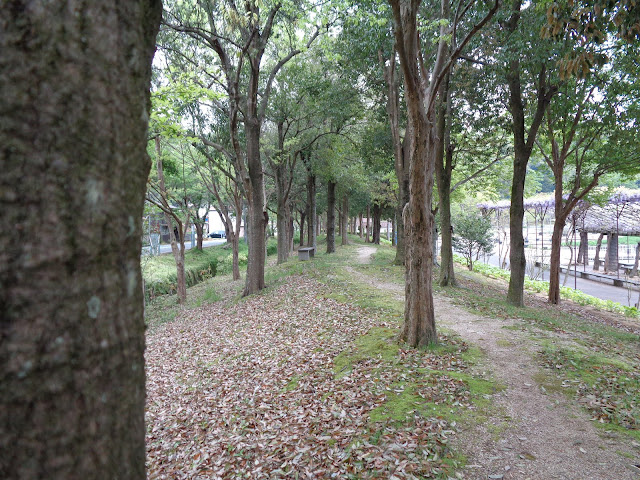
x: 160, y: 276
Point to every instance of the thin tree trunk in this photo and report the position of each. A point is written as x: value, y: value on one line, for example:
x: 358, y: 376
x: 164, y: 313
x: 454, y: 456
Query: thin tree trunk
x: 361, y: 226
x: 444, y: 169
x: 235, y: 241
x: 345, y: 219
x: 611, y: 260
x: 72, y: 189
x: 311, y: 202
x: 583, y: 250
x: 176, y: 234
x: 596, y: 258
x: 199, y: 235
x: 282, y: 210
x: 291, y: 231
x: 377, y: 212
x: 634, y: 271
x: 523, y: 143
x: 394, y: 232
x: 554, y: 260
x: 368, y: 224
x: 331, y: 217
x: 303, y: 216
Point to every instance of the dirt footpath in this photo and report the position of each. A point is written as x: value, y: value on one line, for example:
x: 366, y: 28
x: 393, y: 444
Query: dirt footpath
x: 530, y: 433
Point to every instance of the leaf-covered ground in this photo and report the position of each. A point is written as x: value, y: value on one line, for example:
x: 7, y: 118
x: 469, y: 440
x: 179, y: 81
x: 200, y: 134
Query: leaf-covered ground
x: 251, y: 390
x: 307, y: 380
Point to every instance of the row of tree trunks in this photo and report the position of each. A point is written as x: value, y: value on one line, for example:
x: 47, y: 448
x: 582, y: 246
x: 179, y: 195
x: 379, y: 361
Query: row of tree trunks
x: 74, y: 82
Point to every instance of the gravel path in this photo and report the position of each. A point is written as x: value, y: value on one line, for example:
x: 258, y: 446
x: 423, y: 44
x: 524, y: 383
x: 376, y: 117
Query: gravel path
x: 530, y: 434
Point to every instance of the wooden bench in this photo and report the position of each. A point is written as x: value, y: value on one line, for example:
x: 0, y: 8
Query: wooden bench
x: 306, y: 253
x: 626, y: 267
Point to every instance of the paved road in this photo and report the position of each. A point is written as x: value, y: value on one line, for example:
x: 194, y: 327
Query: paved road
x: 594, y: 288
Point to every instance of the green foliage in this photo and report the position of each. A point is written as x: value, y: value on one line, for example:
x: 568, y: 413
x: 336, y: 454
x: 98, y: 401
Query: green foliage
x: 159, y: 272
x: 472, y: 235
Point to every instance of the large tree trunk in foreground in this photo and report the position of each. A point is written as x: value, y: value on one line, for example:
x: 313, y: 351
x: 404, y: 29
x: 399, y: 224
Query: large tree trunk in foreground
x: 74, y: 84
x: 331, y: 217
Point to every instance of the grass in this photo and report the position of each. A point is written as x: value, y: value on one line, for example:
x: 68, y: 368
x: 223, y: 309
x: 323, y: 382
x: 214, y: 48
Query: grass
x: 159, y: 272
x: 595, y: 364
x: 593, y: 360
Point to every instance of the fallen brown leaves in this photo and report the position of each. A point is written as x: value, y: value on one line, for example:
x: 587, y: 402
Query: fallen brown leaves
x: 249, y: 391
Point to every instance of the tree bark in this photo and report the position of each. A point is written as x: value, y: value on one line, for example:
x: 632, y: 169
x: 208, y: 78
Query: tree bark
x: 419, y: 325
x: 523, y: 143
x: 377, y: 213
x: 444, y: 169
x: 74, y: 84
x: 611, y: 260
x: 199, y: 235
x: 303, y: 216
x: 282, y: 211
x: 583, y: 249
x: 554, y: 259
x: 176, y: 234
x: 360, y: 233
x: 311, y: 202
x: 258, y: 218
x: 344, y: 227
x: 596, y: 258
x: 368, y: 224
x: 634, y: 271
x: 394, y: 232
x: 331, y: 217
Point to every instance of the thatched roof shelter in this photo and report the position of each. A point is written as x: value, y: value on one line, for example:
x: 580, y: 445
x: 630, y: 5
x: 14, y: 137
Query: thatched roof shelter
x: 620, y: 215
